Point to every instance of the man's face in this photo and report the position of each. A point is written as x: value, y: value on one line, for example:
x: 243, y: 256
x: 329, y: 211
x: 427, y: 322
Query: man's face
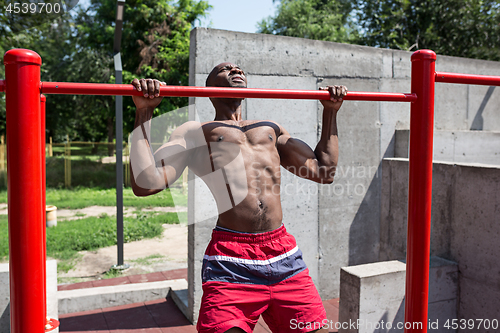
x: 227, y: 75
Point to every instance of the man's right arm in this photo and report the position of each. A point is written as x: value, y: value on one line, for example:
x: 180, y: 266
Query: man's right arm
x: 151, y: 173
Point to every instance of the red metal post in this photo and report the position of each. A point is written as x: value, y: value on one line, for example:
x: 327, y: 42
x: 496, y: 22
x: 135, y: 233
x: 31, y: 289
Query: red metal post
x: 24, y: 158
x: 420, y: 191
x: 44, y: 222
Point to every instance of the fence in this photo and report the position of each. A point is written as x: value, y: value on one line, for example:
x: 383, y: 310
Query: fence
x: 94, y: 156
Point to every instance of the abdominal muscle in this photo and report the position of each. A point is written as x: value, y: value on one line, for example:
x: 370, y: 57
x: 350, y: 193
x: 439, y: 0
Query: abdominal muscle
x: 256, y: 213
x: 260, y: 210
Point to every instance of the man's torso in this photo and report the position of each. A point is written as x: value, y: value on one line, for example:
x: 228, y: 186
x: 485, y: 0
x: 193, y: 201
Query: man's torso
x: 247, y: 152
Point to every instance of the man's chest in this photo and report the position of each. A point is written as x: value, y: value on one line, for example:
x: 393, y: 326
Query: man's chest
x: 245, y: 133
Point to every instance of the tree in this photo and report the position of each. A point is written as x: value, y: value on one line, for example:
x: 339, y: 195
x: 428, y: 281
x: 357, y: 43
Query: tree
x: 155, y: 44
x: 48, y: 35
x: 464, y: 28
x: 78, y: 47
x: 328, y: 20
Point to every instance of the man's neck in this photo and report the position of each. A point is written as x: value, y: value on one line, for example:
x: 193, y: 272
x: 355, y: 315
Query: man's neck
x: 227, y: 109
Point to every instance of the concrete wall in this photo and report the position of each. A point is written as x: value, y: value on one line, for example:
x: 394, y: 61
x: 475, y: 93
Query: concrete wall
x: 465, y: 228
x: 335, y: 225
x: 457, y: 146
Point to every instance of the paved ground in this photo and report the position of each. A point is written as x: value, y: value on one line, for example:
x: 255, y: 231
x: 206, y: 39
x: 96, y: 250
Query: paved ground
x: 158, y: 316
x: 164, y: 253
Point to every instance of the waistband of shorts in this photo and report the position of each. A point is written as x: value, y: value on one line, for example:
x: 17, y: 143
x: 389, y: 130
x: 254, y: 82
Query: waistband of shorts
x: 261, y: 237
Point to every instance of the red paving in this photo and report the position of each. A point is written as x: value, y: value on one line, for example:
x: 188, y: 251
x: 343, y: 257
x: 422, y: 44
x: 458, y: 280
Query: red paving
x: 151, y: 277
x: 158, y: 316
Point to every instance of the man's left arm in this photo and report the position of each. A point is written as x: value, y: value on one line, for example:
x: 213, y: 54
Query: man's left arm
x: 318, y: 165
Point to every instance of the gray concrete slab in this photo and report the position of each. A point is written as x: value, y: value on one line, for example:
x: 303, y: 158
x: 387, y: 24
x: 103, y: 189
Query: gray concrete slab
x: 86, y: 299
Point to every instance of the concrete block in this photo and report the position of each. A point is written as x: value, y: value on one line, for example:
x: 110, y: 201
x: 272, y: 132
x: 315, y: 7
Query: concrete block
x: 102, y: 297
x: 372, y: 295
x: 181, y: 299
x: 368, y: 292
x: 52, y: 305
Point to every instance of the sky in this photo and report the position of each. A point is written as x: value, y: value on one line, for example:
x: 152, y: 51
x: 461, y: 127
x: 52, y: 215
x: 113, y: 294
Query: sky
x: 238, y: 15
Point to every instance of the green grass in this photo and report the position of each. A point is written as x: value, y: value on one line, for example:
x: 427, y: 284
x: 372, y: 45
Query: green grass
x: 81, y: 197
x: 4, y: 237
x: 148, y: 260
x: 87, y: 234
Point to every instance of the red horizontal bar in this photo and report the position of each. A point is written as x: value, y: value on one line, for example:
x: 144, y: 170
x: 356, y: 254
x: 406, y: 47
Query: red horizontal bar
x: 467, y: 79
x: 2, y: 85
x: 128, y: 90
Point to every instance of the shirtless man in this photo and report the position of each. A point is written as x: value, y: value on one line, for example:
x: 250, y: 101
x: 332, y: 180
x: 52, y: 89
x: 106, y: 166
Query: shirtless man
x: 252, y: 266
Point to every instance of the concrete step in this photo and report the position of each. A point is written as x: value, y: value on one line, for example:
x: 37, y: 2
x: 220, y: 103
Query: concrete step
x: 86, y: 299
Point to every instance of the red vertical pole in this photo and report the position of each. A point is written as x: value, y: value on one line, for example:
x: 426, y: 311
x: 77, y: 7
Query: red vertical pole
x: 44, y: 216
x: 26, y: 264
x: 420, y: 191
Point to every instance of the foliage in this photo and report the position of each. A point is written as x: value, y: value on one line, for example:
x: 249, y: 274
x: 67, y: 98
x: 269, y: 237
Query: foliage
x: 465, y: 28
x: 155, y: 42
x: 313, y: 19
x: 4, y: 237
x: 78, y: 47
x: 17, y: 32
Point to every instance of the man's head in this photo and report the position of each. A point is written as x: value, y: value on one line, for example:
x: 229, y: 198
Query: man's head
x: 227, y: 74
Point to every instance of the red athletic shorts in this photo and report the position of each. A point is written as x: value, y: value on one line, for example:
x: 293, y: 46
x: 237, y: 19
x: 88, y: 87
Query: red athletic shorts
x: 247, y: 275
